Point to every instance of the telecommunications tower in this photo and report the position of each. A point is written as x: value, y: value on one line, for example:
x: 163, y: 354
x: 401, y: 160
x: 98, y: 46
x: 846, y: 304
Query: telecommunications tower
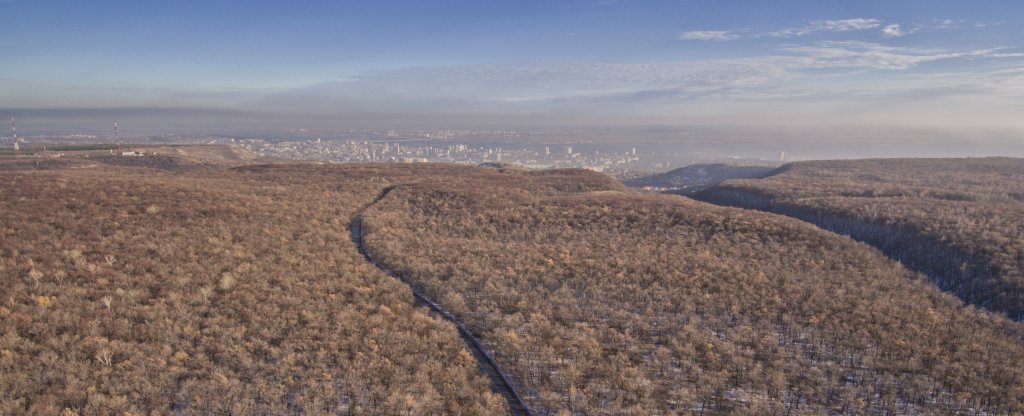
x: 14, y: 132
x: 117, y: 140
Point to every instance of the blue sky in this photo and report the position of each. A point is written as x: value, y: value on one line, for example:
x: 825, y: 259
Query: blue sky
x: 816, y: 63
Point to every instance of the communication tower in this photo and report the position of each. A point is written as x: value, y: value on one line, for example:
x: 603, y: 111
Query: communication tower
x: 14, y: 133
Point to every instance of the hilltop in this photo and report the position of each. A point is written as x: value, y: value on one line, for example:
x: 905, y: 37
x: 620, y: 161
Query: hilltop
x: 960, y: 221
x: 691, y: 179
x: 598, y: 300
x: 177, y: 158
x: 204, y: 289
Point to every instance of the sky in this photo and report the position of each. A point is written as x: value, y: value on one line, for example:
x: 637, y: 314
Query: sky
x: 814, y: 65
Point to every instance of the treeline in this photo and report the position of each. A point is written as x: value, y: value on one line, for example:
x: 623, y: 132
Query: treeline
x: 136, y: 291
x: 601, y: 301
x: 691, y: 179
x: 959, y: 221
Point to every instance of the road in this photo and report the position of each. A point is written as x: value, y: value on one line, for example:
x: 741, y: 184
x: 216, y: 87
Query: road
x: 500, y: 383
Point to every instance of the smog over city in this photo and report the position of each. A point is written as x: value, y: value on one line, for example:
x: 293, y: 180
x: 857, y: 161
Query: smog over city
x: 877, y: 79
x: 579, y: 207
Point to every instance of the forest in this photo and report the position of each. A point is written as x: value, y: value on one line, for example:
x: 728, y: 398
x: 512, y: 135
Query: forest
x: 599, y: 300
x: 135, y: 290
x: 959, y: 221
x: 205, y: 282
x: 692, y: 179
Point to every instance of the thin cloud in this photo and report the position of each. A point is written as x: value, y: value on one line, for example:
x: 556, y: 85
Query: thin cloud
x: 893, y: 31
x: 820, y: 72
x: 872, y: 55
x: 542, y: 86
x: 947, y: 23
x: 709, y: 35
x: 961, y: 24
x: 888, y: 30
x: 1003, y: 55
x: 844, y: 25
x: 987, y: 24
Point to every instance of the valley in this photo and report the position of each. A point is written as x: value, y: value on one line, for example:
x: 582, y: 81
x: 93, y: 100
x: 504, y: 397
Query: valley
x: 209, y: 281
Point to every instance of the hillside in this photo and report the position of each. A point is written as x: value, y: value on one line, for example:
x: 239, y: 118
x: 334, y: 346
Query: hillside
x: 222, y: 287
x: 960, y: 221
x: 597, y: 300
x: 133, y: 290
x: 688, y: 180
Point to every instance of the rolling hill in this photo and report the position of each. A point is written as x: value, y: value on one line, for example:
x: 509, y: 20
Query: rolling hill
x: 141, y: 290
x: 219, y: 286
x: 691, y: 179
x: 598, y: 300
x: 959, y: 221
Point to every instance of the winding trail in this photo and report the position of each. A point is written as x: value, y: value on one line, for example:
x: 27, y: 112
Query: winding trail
x: 500, y: 383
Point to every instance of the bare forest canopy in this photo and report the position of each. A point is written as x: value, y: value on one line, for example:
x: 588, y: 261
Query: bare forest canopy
x: 599, y: 300
x: 191, y: 281
x: 960, y: 221
x: 691, y: 179
x: 206, y: 290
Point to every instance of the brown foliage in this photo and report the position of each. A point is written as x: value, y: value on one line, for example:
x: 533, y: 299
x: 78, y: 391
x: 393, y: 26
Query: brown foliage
x: 131, y: 290
x: 960, y: 221
x: 600, y: 301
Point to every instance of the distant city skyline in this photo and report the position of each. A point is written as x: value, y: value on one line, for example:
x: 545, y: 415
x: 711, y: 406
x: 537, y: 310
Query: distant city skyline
x: 815, y: 65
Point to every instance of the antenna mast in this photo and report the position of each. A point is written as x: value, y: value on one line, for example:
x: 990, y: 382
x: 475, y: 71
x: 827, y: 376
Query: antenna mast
x: 14, y: 132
